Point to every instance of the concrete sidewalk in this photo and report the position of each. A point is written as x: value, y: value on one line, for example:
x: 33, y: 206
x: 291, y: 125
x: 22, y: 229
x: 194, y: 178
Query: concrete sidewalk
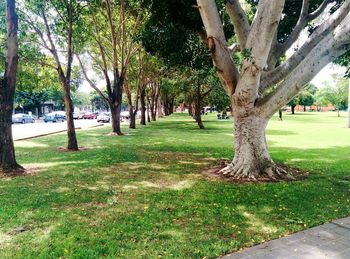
x: 331, y: 240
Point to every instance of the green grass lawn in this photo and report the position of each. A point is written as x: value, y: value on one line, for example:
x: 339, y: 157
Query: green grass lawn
x: 143, y: 195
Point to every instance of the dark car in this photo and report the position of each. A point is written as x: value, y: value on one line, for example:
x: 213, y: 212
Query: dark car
x: 53, y: 117
x: 22, y: 118
x: 89, y: 116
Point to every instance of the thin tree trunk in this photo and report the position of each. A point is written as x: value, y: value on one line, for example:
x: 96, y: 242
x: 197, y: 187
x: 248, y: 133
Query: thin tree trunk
x: 72, y: 138
x: 160, y: 109
x: 198, y: 116
x: 293, y: 109
x: 190, y: 109
x: 143, y: 106
x: 8, y: 161
x: 349, y: 106
x: 132, y: 124
x: 148, y: 108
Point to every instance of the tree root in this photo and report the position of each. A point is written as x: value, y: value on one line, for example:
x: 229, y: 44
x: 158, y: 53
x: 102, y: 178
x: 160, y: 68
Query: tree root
x: 245, y: 173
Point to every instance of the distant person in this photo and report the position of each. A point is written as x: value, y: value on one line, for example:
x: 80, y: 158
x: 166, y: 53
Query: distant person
x: 280, y: 114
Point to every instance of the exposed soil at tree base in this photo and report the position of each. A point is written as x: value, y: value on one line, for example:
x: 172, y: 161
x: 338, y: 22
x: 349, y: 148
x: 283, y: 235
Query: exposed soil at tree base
x: 293, y: 174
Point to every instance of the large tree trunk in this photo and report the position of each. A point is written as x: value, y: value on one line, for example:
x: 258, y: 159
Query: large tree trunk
x: 72, y: 138
x: 8, y: 162
x: 251, y: 159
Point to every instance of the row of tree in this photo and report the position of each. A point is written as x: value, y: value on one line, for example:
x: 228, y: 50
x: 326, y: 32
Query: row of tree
x: 112, y: 40
x: 333, y: 93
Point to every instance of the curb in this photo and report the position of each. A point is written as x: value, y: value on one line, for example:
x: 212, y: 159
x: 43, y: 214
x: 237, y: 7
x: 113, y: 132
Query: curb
x: 46, y: 134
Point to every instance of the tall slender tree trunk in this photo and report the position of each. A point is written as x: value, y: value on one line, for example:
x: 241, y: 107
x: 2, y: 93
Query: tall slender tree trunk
x: 293, y: 109
x: 8, y: 162
x: 160, y: 109
x: 72, y: 138
x: 132, y: 120
x: 148, y: 110
x: 143, y: 106
x: 349, y: 106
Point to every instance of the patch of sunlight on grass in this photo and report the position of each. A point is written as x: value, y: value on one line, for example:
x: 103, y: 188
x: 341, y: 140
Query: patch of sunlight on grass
x: 4, y: 238
x: 163, y: 184
x: 62, y: 189
x: 30, y: 144
x: 130, y: 187
x: 256, y: 224
x: 192, y: 162
x: 41, y: 235
x: 133, y: 166
x: 181, y: 185
x: 102, y: 184
x: 149, y: 184
x: 53, y: 164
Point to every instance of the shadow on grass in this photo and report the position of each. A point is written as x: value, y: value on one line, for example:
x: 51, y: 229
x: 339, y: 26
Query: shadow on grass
x: 110, y: 200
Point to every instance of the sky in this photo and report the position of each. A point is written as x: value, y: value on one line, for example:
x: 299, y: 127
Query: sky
x: 326, y: 72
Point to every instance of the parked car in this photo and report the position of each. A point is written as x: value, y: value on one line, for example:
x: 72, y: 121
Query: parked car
x: 104, y: 117
x: 125, y: 115
x: 89, y: 116
x: 54, y: 117
x: 22, y: 118
x: 78, y: 115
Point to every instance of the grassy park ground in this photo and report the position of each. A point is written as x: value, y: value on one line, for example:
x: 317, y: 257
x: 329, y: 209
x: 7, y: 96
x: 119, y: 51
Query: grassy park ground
x: 143, y: 195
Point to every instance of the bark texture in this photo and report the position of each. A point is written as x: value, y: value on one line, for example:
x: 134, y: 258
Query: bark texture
x: 8, y: 162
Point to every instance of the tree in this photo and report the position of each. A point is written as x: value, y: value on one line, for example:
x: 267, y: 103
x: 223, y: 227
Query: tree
x: 8, y: 161
x: 263, y: 84
x: 111, y: 48
x: 344, y: 60
x: 251, y: 62
x: 293, y: 103
x: 305, y: 97
x: 335, y: 92
x: 58, y: 35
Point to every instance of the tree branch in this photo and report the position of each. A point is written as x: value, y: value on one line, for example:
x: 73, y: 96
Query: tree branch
x: 90, y: 81
x: 221, y: 55
x: 239, y: 20
x: 326, y: 51
x: 327, y: 27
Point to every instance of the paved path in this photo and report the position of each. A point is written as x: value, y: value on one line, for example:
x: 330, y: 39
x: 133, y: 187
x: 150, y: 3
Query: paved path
x: 30, y: 130
x: 330, y: 240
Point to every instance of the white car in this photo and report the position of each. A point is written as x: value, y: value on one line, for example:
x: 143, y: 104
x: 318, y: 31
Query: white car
x: 125, y: 115
x: 104, y: 117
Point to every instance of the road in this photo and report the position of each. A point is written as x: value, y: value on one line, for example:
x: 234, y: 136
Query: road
x: 28, y: 130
